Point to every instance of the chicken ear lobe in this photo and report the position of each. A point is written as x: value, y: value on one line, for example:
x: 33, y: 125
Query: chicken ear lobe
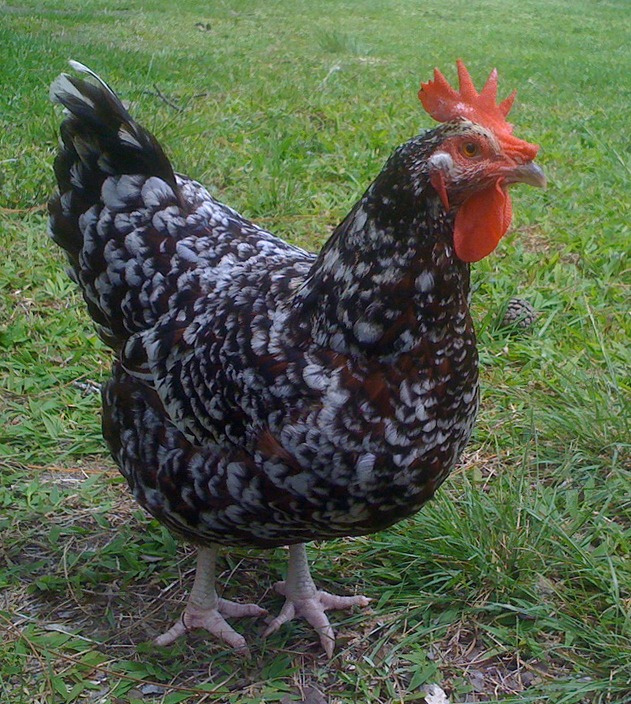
x: 481, y: 222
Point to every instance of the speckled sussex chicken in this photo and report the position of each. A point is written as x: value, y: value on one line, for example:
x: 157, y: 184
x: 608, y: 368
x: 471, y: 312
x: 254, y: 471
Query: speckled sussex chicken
x: 265, y: 396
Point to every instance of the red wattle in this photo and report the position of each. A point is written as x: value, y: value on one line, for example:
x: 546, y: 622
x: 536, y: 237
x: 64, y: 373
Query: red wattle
x: 481, y: 222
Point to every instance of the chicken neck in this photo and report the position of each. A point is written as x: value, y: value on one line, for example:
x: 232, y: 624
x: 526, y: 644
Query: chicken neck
x: 388, y: 274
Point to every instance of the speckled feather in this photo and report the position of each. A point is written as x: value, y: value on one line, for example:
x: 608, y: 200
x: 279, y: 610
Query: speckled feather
x: 263, y: 395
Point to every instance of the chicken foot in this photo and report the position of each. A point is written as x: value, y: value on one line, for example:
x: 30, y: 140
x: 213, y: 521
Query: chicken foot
x: 205, y: 609
x: 303, y: 599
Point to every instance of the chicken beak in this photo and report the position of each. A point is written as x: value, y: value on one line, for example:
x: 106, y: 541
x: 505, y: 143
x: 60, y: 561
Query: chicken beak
x: 529, y: 173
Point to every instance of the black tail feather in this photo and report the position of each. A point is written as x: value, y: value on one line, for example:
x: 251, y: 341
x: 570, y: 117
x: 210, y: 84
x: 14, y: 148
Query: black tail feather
x: 99, y: 138
x: 100, y: 124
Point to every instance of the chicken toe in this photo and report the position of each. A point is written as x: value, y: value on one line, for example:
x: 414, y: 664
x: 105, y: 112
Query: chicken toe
x: 303, y: 600
x: 206, y: 610
x: 213, y: 620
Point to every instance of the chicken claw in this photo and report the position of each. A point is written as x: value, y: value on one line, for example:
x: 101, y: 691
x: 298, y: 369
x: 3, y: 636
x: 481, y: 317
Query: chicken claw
x: 305, y: 601
x: 206, y: 610
x: 212, y: 619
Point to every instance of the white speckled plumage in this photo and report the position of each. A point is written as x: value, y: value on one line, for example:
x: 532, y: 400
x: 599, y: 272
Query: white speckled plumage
x: 263, y: 395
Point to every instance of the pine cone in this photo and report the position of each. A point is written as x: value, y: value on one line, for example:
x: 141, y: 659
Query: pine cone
x: 519, y: 313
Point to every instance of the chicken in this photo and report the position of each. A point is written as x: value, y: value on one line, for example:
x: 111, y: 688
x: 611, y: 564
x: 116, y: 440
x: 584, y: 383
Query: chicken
x: 265, y: 396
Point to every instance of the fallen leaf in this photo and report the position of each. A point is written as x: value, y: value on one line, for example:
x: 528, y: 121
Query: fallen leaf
x: 435, y: 695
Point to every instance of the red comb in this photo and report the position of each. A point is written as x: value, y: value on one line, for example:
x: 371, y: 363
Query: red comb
x: 445, y: 103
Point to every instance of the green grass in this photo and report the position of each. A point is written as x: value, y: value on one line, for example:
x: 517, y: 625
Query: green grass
x: 515, y: 584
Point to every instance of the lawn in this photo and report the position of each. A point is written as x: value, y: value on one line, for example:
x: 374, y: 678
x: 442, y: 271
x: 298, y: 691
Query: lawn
x: 514, y: 585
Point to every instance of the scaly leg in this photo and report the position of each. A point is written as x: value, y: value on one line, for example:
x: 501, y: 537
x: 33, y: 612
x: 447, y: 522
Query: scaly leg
x: 303, y: 599
x: 205, y: 609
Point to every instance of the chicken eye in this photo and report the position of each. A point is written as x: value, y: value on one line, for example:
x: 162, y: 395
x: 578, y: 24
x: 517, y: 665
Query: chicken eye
x: 470, y: 149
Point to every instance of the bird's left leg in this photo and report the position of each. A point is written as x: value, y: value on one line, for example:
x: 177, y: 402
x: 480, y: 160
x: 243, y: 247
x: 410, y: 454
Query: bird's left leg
x: 302, y: 598
x: 205, y: 609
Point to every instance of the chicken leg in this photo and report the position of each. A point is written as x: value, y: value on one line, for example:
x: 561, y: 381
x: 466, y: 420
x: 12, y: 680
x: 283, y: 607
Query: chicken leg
x: 206, y: 610
x: 303, y: 599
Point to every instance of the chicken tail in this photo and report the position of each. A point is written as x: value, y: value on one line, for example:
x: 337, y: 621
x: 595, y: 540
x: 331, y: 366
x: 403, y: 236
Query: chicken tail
x: 108, y: 169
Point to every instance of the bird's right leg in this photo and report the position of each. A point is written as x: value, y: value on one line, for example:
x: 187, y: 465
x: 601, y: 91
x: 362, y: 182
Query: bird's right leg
x: 205, y: 609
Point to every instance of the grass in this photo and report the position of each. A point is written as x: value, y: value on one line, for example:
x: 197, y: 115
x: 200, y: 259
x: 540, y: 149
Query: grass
x: 515, y: 584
